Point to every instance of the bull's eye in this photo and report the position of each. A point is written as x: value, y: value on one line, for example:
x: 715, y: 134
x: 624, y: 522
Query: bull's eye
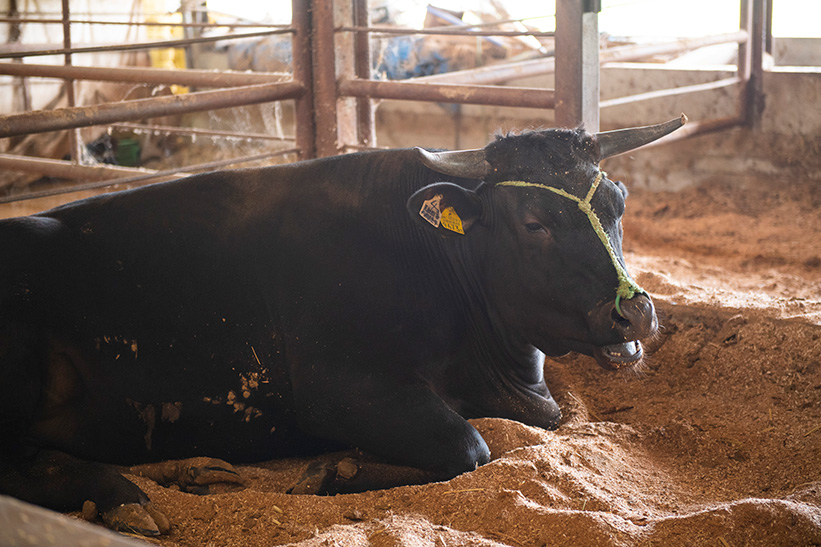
x: 534, y: 227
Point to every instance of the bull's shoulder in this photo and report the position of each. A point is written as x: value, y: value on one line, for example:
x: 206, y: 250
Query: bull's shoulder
x: 25, y: 235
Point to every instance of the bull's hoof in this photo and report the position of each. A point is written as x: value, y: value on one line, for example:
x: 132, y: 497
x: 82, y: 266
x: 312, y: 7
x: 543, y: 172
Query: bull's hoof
x: 316, y: 480
x: 349, y: 476
x: 194, y: 475
x: 133, y: 518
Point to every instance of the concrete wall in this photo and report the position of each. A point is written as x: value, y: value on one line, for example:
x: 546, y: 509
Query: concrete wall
x: 785, y: 146
x: 797, y: 51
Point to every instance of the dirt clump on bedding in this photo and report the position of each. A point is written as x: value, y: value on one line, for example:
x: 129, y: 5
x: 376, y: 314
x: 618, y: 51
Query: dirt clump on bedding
x: 715, y: 441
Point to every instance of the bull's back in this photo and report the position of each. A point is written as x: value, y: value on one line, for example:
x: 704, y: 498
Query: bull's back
x: 171, y: 321
x: 132, y: 328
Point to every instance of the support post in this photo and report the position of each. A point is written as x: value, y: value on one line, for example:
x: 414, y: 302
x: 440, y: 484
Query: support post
x: 22, y: 97
x: 366, y: 130
x: 577, y: 63
x: 751, y: 60
x: 745, y: 48
x: 324, y: 63
x: 303, y: 73
x: 74, y: 139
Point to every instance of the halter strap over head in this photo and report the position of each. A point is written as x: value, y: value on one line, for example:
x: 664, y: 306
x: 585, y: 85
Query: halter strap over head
x: 627, y: 288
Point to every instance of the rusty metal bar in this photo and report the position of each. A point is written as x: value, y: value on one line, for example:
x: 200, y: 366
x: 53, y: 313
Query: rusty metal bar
x: 140, y: 23
x: 527, y: 97
x: 304, y: 122
x: 144, y: 178
x: 525, y: 69
x: 663, y: 93
x: 157, y: 76
x: 324, y: 63
x: 143, y: 45
x: 198, y: 132
x: 365, y: 131
x: 493, y: 74
x: 67, y: 118
x: 444, y: 31
x: 67, y: 169
x: 681, y: 45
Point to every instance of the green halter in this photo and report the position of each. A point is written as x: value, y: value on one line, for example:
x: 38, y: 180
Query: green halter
x: 627, y: 287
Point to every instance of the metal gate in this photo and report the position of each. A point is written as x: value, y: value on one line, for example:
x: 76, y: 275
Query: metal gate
x: 332, y: 90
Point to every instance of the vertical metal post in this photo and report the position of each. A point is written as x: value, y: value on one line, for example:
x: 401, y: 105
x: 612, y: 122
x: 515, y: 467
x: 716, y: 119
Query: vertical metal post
x: 22, y: 97
x: 745, y: 49
x: 366, y: 131
x: 577, y: 63
x: 751, y: 60
x: 755, y: 87
x: 188, y: 9
x: 324, y: 63
x: 303, y: 73
x: 74, y: 134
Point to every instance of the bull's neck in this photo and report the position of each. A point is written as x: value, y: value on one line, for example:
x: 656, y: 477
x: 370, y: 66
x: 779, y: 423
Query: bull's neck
x: 492, y: 340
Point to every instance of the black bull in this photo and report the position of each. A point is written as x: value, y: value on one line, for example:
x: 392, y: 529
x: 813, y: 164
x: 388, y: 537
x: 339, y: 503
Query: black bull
x: 374, y: 300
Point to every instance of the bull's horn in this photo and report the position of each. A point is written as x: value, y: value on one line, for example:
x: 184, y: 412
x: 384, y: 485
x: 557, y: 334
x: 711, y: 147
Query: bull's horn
x: 612, y: 143
x: 469, y: 164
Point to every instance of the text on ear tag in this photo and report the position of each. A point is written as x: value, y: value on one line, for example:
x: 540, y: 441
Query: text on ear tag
x: 430, y: 210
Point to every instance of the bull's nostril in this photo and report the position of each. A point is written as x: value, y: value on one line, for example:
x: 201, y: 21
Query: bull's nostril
x: 618, y: 319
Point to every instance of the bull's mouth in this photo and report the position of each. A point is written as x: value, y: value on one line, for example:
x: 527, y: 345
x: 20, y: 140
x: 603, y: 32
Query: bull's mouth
x: 618, y: 356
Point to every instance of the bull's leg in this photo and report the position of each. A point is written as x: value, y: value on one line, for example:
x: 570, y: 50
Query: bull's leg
x: 516, y: 391
x: 349, y: 475
x: 404, y: 423
x: 64, y: 483
x: 193, y: 475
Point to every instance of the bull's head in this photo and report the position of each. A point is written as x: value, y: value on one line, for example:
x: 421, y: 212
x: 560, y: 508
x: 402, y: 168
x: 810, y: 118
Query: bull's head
x: 546, y: 226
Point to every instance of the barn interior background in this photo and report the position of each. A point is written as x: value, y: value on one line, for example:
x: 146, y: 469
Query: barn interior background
x: 717, y: 442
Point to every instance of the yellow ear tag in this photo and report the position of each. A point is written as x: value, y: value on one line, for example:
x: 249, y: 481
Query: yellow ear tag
x: 451, y: 221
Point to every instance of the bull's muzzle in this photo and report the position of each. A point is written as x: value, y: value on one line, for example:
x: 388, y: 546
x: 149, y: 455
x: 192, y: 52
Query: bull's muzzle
x: 634, y: 319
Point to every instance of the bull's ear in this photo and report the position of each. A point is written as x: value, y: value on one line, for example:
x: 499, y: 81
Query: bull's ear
x: 446, y: 208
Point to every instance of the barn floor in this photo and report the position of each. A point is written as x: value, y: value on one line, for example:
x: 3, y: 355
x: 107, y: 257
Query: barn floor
x: 716, y: 442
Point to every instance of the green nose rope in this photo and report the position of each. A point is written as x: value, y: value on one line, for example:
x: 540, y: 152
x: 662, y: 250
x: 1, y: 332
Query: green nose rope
x: 627, y: 287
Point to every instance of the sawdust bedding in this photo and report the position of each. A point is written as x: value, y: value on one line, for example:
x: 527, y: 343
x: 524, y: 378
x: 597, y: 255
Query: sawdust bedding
x: 716, y: 441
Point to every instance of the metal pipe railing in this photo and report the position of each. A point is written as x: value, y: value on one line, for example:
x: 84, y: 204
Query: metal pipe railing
x: 156, y: 76
x: 67, y: 118
x: 504, y: 72
x: 46, y: 21
x: 67, y: 169
x: 443, y: 31
x: 143, y: 45
x: 527, y: 97
x: 196, y: 132
x: 671, y: 92
x: 317, y: 87
x: 156, y: 176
